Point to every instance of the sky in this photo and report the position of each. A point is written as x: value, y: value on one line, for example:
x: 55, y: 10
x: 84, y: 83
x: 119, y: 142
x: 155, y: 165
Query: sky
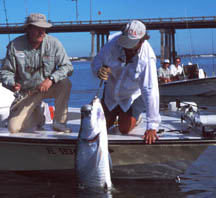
x: 190, y: 41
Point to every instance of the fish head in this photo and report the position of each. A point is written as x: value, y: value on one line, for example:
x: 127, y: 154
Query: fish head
x: 92, y: 120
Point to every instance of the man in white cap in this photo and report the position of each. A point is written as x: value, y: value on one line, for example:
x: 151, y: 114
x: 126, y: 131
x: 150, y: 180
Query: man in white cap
x: 37, y: 67
x: 164, y: 72
x: 128, y: 63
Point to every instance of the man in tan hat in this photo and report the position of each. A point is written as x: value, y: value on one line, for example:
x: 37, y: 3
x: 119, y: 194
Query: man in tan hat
x: 128, y: 63
x: 37, y: 67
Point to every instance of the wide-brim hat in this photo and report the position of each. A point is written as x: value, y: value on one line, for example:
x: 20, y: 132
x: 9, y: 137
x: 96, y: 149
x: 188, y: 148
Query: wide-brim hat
x: 133, y: 32
x: 38, y: 20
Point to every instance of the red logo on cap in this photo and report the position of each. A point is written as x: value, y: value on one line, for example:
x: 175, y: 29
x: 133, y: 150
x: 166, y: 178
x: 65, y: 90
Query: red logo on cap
x: 132, y: 32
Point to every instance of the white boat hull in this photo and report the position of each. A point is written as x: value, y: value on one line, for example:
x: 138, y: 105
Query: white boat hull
x: 201, y: 91
x: 131, y: 160
x: 24, y: 156
x: 46, y: 150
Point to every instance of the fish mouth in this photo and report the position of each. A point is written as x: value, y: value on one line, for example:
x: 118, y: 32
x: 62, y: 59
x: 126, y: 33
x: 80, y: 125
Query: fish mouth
x: 94, y: 139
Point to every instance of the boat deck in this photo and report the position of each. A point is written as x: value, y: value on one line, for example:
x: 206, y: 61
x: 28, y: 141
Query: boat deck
x: 171, y: 129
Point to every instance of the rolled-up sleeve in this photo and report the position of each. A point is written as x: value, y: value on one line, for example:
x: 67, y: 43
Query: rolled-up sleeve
x: 150, y: 93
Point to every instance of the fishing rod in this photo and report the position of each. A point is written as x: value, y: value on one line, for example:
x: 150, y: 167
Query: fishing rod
x: 98, y: 90
x: 102, y: 80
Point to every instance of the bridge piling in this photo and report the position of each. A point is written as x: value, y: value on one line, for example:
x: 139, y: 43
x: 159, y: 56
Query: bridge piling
x: 167, y: 45
x: 162, y: 46
x: 92, y: 54
x: 102, y: 37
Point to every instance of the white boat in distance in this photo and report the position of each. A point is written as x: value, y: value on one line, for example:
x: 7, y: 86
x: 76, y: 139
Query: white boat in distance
x: 202, y: 91
x: 182, y: 139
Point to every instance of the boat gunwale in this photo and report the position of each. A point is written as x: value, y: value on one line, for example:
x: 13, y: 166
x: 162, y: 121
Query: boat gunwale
x: 72, y: 142
x: 188, y: 81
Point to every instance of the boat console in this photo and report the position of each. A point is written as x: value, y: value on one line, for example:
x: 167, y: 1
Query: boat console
x: 191, y: 71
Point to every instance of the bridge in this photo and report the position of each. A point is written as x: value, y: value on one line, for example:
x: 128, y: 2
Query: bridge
x: 102, y: 29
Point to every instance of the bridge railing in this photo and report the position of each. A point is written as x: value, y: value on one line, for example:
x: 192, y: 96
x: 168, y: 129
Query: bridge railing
x: 147, y: 20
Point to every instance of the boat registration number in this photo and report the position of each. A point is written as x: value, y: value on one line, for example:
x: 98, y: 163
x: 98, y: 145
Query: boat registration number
x: 60, y: 150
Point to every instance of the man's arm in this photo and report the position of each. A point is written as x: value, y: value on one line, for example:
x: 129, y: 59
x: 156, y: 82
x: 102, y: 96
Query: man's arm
x: 64, y: 65
x: 9, y: 70
x: 150, y: 93
x: 104, y: 57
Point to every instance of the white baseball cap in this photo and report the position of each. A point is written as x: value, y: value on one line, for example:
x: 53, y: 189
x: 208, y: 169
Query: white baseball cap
x: 166, y: 61
x: 133, y: 32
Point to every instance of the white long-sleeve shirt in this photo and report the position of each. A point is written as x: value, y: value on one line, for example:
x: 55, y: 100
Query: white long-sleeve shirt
x: 175, y: 70
x: 128, y: 81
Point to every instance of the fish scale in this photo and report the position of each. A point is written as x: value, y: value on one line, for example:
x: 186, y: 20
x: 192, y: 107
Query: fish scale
x: 92, y: 157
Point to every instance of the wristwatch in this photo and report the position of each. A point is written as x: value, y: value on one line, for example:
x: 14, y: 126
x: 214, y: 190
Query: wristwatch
x: 52, y: 79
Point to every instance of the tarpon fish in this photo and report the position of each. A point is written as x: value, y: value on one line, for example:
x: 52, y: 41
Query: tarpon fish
x: 92, y: 157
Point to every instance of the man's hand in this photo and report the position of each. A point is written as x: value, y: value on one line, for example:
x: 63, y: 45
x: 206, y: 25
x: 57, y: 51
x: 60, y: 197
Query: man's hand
x: 150, y: 136
x: 17, y: 87
x: 103, y: 72
x: 45, y: 85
